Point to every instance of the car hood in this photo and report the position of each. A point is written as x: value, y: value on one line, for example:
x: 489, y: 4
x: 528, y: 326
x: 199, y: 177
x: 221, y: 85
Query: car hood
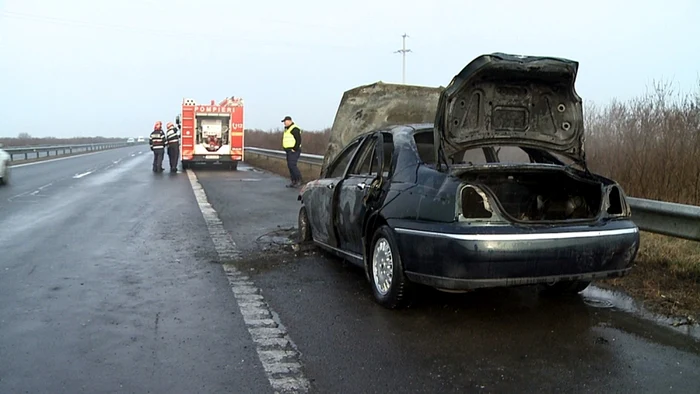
x: 514, y: 100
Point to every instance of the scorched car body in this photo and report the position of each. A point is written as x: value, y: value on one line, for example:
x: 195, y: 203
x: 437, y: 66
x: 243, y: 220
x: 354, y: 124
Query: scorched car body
x: 449, y: 206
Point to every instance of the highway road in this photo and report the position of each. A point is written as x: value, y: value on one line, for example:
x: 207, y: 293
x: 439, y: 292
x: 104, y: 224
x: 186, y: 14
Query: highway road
x: 116, y: 279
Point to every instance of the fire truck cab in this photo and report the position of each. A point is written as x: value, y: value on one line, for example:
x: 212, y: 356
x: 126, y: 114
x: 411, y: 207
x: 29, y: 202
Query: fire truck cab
x: 211, y: 133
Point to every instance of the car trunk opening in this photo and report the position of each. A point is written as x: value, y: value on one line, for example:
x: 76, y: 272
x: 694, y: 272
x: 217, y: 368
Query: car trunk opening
x: 527, y: 195
x: 517, y: 100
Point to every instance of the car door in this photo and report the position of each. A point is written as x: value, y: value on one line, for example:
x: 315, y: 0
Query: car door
x: 349, y: 211
x: 355, y: 190
x: 320, y: 199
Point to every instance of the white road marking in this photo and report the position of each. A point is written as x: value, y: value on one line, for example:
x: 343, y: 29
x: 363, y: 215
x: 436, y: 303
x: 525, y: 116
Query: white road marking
x: 17, y: 196
x: 34, y: 193
x: 78, y: 176
x: 276, y: 351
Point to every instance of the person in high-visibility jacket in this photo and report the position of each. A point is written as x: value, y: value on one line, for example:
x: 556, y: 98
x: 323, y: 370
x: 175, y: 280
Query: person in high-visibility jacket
x: 291, y: 143
x: 157, y: 142
x: 172, y: 141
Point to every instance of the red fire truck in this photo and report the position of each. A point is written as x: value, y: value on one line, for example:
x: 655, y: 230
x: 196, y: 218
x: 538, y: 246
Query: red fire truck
x: 211, y: 133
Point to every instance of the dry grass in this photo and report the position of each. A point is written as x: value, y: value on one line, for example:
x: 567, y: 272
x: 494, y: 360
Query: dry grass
x: 666, y: 276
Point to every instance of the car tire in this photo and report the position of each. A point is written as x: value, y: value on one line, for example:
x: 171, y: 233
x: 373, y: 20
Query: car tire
x: 233, y: 166
x: 5, y: 178
x: 565, y: 287
x: 304, y: 226
x: 185, y: 165
x: 384, y: 251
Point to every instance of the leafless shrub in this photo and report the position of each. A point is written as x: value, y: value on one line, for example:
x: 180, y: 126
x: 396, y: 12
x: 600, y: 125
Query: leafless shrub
x: 650, y: 144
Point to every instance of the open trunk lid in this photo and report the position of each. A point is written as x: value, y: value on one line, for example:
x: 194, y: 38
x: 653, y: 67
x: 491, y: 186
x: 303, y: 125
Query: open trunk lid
x: 514, y: 100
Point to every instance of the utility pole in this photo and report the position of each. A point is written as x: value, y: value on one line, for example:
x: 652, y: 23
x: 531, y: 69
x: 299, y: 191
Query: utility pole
x: 403, y: 52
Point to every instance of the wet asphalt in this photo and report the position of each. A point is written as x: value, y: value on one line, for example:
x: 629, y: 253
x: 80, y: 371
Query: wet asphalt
x: 109, y: 283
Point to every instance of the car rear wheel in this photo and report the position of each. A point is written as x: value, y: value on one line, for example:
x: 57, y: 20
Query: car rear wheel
x: 565, y: 287
x: 304, y: 226
x: 390, y: 287
x: 233, y: 166
x: 185, y: 165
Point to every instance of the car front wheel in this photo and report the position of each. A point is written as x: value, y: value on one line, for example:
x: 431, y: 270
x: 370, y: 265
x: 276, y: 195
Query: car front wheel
x: 304, y: 226
x: 390, y: 287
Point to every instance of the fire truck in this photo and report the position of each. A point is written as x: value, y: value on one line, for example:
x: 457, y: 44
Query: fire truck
x: 211, y: 133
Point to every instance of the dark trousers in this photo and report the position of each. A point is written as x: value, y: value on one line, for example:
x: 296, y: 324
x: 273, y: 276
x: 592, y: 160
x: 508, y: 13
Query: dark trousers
x: 173, y: 155
x: 158, y: 158
x: 292, y: 159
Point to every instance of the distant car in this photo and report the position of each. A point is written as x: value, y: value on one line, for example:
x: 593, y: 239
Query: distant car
x: 486, y: 196
x: 140, y: 139
x: 130, y: 141
x: 4, y: 166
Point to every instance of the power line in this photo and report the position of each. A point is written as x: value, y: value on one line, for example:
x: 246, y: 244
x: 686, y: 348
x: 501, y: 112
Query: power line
x: 403, y: 52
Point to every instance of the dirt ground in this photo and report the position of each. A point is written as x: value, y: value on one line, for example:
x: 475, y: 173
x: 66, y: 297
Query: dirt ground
x: 666, y: 277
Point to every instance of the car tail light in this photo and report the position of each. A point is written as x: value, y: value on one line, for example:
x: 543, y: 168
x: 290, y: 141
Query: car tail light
x: 474, y: 203
x: 616, y: 204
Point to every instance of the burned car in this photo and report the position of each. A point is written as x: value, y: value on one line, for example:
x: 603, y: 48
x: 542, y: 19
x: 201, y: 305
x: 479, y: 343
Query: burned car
x: 494, y: 192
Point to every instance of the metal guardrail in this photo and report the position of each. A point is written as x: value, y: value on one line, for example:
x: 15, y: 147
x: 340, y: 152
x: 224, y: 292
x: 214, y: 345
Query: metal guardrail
x: 36, y: 152
x: 305, y: 157
x: 667, y: 218
x: 660, y: 217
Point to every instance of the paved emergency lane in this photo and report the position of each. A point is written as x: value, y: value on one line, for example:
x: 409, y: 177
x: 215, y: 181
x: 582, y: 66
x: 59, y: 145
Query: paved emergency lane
x: 488, y: 341
x: 107, y: 285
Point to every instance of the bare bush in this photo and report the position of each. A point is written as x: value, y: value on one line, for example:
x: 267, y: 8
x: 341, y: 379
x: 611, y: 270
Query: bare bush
x: 650, y: 144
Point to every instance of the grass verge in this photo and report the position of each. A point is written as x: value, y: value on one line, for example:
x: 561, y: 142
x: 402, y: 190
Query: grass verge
x: 666, y: 276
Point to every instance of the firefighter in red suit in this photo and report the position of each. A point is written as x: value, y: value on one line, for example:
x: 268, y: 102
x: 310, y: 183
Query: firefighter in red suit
x: 157, y: 142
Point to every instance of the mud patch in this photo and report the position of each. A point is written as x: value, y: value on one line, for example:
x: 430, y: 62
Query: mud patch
x: 274, y: 248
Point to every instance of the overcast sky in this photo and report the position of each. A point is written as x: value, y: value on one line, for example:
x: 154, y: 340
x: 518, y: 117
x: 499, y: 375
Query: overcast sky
x: 98, y: 67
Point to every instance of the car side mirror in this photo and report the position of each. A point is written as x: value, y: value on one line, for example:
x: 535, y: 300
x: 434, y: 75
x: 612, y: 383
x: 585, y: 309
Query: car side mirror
x: 177, y: 120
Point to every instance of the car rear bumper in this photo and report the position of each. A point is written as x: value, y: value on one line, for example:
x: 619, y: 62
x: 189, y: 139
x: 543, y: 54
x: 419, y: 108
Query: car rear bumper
x: 508, y: 256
